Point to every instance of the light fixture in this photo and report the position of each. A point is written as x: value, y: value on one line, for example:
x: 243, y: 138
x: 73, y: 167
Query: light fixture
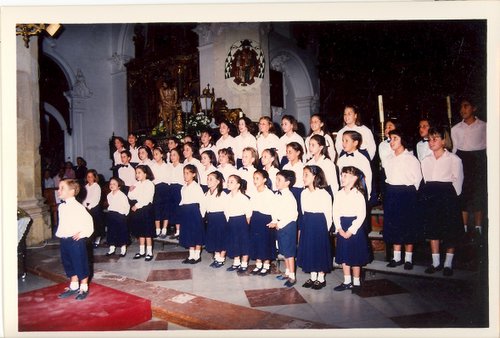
x: 32, y: 29
x: 186, y: 106
x: 207, y: 100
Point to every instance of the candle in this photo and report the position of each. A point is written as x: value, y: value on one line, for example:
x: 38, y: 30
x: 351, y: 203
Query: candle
x: 448, y: 107
x: 381, y: 109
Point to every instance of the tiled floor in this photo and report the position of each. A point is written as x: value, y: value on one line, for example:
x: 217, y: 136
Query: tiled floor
x: 199, y: 297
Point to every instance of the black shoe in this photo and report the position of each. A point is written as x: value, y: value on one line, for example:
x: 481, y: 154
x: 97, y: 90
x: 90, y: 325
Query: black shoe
x: 148, y: 258
x: 408, y: 266
x: 432, y: 269
x: 82, y: 295
x: 264, y: 272
x: 447, y: 272
x: 393, y: 263
x: 67, y: 293
x: 123, y: 254
x: 290, y: 283
x: 218, y: 265
x: 318, y: 285
x: 194, y: 261
x: 242, y: 269
x: 343, y: 287
x: 255, y: 271
x: 174, y: 237
x: 309, y: 283
x: 110, y: 253
x: 233, y: 268
x: 138, y: 255
x: 186, y: 261
x: 282, y: 277
x: 212, y: 265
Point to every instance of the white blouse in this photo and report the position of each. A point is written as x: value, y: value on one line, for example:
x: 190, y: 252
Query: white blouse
x: 423, y: 149
x: 237, y: 205
x: 284, y: 210
x: 118, y: 202
x: 241, y: 142
x: 161, y: 172
x: 285, y: 139
x: 267, y: 142
x: 329, y: 144
x: 329, y: 169
x: 192, y: 193
x: 246, y: 173
x: 359, y: 161
x: 403, y: 169
x: 127, y: 174
x: 93, y: 196
x: 117, y: 157
x: 176, y: 174
x: 368, y: 142
x: 317, y: 201
x: 298, y: 169
x: 204, y: 172
x: 384, y: 150
x: 143, y: 193
x: 263, y: 201
x: 447, y: 168
x: 272, y: 176
x: 469, y: 137
x: 214, y: 203
x: 227, y: 171
x: 135, y: 154
x: 227, y: 142
x: 74, y: 218
x: 349, y: 203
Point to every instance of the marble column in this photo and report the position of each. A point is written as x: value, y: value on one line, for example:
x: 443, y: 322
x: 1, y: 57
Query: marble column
x: 29, y: 181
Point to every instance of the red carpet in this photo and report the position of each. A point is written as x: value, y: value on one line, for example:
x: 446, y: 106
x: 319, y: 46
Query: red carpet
x: 104, y: 309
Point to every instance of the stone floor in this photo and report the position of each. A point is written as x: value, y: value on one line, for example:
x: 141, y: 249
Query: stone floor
x: 187, y: 297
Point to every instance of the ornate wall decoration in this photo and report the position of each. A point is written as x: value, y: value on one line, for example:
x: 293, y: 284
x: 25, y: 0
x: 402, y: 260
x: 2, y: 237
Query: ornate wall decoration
x: 245, y: 64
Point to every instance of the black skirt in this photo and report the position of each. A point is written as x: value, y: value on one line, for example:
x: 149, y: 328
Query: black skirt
x: 474, y: 188
x: 142, y: 222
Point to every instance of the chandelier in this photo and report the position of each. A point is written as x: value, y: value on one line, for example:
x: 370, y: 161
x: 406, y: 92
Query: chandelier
x: 31, y: 29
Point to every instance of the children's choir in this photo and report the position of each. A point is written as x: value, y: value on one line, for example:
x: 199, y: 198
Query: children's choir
x: 254, y: 198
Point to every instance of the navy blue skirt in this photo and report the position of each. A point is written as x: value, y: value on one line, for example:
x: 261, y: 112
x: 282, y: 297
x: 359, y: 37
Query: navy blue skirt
x: 314, y: 251
x: 142, y: 222
x: 400, y: 215
x: 192, y: 231
x: 296, y: 193
x: 174, y: 194
x: 354, y: 251
x: 160, y: 201
x: 215, y: 240
x: 262, y: 238
x: 97, y: 218
x: 441, y: 214
x: 238, y: 242
x: 287, y: 240
x: 117, y: 228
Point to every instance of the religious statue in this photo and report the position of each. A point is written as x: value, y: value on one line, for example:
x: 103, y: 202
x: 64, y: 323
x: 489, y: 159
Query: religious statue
x: 168, y: 103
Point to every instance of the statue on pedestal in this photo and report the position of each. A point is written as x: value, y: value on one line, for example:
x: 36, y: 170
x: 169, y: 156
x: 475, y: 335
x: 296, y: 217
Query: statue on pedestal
x: 168, y: 105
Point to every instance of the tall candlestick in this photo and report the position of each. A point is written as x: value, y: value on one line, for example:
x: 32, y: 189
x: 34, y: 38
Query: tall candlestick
x: 381, y: 109
x: 448, y: 108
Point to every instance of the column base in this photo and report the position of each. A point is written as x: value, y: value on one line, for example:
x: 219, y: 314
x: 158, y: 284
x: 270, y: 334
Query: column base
x: 40, y: 229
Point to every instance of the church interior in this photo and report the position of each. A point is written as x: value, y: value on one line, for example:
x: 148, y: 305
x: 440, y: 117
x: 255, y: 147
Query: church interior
x: 85, y: 84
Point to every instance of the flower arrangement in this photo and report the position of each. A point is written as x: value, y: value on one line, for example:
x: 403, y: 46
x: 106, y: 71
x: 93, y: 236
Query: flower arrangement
x: 159, y: 130
x: 196, y: 123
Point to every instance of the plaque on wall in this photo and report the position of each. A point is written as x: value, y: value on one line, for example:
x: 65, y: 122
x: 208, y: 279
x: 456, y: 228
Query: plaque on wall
x: 244, y: 65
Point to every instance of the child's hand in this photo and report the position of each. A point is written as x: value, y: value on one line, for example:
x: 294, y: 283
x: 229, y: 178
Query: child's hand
x: 76, y: 236
x: 272, y: 225
x: 134, y: 208
x: 131, y: 188
x: 347, y: 234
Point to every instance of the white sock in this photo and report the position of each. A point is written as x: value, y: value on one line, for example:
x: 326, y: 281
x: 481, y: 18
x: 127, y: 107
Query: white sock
x: 84, y: 287
x: 73, y: 286
x: 314, y: 276
x: 244, y: 264
x: 291, y: 275
x: 197, y: 254
x: 267, y: 266
x: 142, y: 249
x: 356, y: 281
x: 220, y: 259
x: 397, y: 256
x: 158, y: 231
x: 448, y: 260
x: 436, y: 259
x: 149, y: 250
x: 347, y: 279
x: 112, y: 249
x: 217, y: 257
x: 236, y: 261
x: 124, y: 249
x: 465, y: 227
x: 191, y: 254
x: 287, y: 272
x: 408, y: 256
x: 97, y: 240
x: 479, y: 229
x: 164, y: 231
x: 177, y: 231
x: 321, y: 277
x: 258, y: 265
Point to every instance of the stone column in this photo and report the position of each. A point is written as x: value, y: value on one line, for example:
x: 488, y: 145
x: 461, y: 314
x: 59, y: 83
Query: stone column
x: 29, y: 174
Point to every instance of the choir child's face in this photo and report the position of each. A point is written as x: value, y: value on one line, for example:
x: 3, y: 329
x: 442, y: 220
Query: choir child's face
x: 118, y: 144
x: 347, y: 180
x: 113, y: 185
x: 467, y: 110
x: 205, y: 138
x: 264, y: 126
x: 291, y: 154
x: 212, y: 182
x: 242, y: 126
x: 232, y: 184
x: 316, y: 124
x: 281, y: 183
x: 188, y: 176
x: 423, y: 129
x: 223, y: 129
x: 125, y: 159
x: 395, y: 142
x: 64, y: 191
x: 149, y: 144
x: 205, y: 160
x: 286, y: 126
x: 90, y: 178
x: 140, y: 175
x: 158, y: 156
x: 246, y: 158
x: 174, y: 157
x: 348, y: 144
x: 308, y: 178
x: 314, y: 147
x: 223, y: 158
x: 143, y: 155
x: 388, y: 127
x: 436, y: 142
x: 258, y: 180
x: 266, y: 158
x: 187, y: 151
x: 132, y: 140
x: 349, y: 116
x: 171, y: 144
